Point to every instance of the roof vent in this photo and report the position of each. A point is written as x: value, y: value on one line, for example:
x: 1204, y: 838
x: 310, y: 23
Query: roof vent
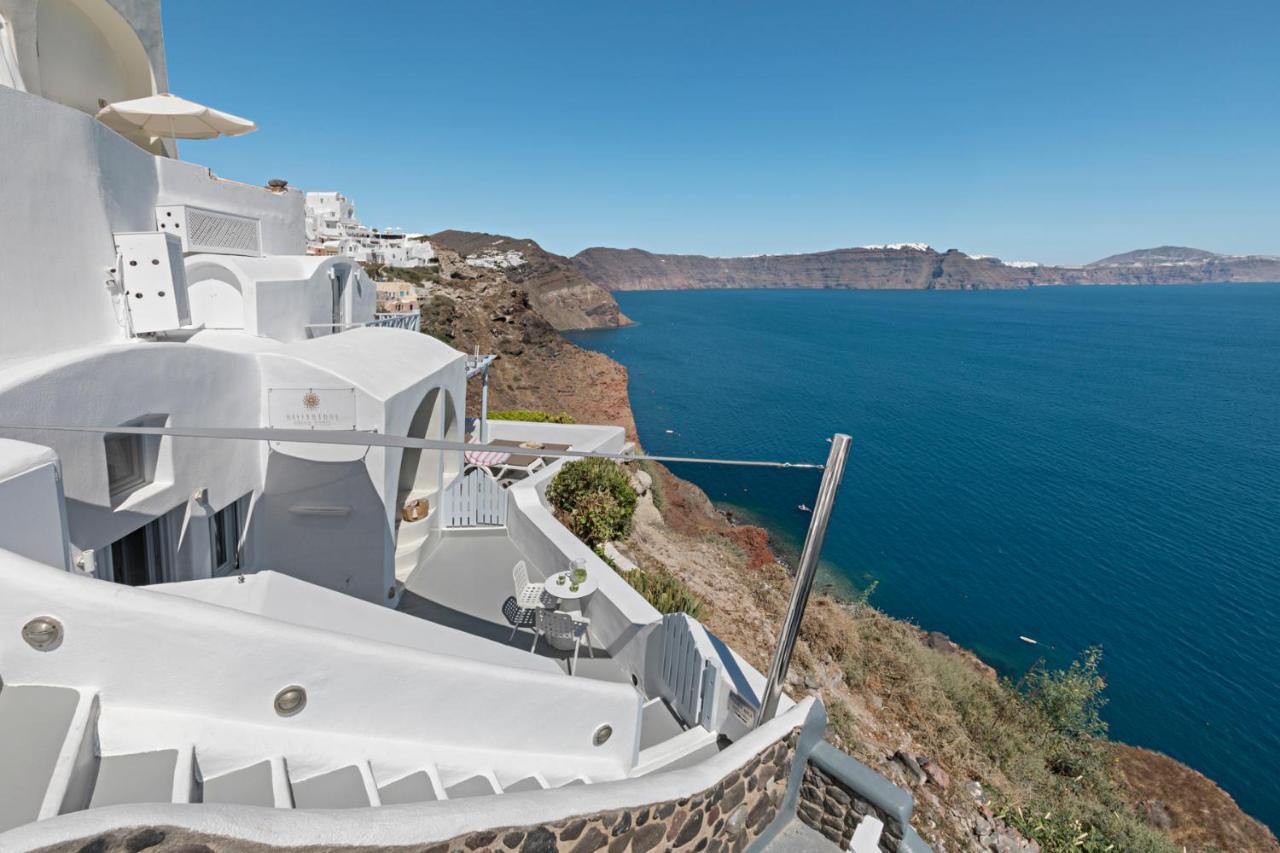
x: 204, y: 230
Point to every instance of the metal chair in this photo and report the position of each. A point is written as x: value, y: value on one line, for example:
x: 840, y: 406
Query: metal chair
x: 528, y: 597
x: 563, y: 625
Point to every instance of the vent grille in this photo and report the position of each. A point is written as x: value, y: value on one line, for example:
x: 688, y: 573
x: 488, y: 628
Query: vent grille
x: 203, y: 230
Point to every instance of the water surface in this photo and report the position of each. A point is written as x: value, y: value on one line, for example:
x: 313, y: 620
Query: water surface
x: 1079, y: 465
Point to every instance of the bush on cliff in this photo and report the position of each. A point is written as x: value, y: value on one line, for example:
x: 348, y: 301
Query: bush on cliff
x: 594, y: 498
x: 532, y: 416
x: 666, y: 592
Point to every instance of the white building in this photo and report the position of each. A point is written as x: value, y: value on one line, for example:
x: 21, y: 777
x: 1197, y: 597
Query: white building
x: 268, y: 637
x: 333, y: 229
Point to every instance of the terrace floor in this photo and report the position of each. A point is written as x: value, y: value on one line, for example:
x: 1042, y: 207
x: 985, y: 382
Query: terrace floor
x: 464, y: 585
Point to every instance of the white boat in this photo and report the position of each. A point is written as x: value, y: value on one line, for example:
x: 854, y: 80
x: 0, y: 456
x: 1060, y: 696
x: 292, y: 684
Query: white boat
x: 1028, y: 640
x: 216, y: 621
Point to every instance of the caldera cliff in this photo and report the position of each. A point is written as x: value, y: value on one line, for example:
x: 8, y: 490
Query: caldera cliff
x: 910, y: 267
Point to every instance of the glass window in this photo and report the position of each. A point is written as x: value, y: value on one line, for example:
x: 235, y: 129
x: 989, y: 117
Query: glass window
x: 126, y: 469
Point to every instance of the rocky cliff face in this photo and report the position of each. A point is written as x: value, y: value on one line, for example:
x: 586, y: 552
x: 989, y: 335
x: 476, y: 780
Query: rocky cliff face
x: 562, y: 295
x: 909, y: 267
x: 481, y: 307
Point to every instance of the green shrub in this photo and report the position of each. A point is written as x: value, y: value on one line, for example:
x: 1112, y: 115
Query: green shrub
x: 532, y: 416
x: 1071, y: 700
x: 666, y: 592
x: 595, y: 499
x: 1073, y: 828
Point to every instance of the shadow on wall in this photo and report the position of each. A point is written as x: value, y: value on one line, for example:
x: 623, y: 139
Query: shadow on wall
x: 323, y: 522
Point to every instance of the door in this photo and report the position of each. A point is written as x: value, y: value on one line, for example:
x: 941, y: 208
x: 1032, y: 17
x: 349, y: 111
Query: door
x: 141, y: 557
x: 224, y: 535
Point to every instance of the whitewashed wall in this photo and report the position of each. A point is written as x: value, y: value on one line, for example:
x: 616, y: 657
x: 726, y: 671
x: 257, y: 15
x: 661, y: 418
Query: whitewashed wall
x: 191, y: 385
x: 32, y: 522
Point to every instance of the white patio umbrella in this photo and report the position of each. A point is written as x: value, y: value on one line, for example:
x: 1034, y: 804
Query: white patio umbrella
x: 168, y: 116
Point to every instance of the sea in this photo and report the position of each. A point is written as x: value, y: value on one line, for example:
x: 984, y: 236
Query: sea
x: 1092, y: 465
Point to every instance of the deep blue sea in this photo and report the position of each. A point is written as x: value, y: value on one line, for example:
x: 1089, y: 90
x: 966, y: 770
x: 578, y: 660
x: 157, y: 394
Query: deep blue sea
x: 1080, y: 465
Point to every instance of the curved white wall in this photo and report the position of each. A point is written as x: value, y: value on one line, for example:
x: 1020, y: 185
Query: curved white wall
x: 88, y: 52
x: 191, y: 385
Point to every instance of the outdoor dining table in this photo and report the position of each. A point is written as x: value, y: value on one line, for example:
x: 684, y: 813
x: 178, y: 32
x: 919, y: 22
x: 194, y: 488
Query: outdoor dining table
x: 565, y: 593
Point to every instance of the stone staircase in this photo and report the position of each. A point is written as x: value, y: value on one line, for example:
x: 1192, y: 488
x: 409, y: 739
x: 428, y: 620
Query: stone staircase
x: 51, y: 763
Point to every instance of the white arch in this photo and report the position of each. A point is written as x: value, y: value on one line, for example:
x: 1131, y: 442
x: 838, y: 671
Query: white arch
x: 216, y: 296
x: 89, y: 54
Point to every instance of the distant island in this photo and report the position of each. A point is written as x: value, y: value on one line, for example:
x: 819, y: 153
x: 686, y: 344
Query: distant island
x: 911, y: 266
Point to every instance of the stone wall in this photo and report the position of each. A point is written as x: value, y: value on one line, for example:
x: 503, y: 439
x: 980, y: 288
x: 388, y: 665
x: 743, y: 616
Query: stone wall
x: 724, y: 818
x: 835, y: 810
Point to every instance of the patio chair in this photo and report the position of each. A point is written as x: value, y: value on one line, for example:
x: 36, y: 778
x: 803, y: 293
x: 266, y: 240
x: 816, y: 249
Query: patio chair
x: 528, y: 597
x: 564, y: 625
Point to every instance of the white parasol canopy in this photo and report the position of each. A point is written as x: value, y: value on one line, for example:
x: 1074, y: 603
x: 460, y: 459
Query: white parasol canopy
x: 168, y: 116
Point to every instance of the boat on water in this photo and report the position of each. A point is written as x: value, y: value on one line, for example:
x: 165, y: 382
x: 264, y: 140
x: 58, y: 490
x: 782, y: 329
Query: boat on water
x: 254, y: 582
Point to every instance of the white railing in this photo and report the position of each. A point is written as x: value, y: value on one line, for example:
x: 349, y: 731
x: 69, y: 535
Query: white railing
x: 411, y: 320
x: 475, y: 500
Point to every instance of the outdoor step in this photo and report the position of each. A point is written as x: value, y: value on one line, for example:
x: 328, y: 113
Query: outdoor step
x: 529, y: 783
x: 414, y: 788
x: 338, y: 789
x: 139, y: 777
x: 474, y: 786
x: 658, y: 723
x: 685, y: 749
x: 248, y: 786
x: 34, y: 723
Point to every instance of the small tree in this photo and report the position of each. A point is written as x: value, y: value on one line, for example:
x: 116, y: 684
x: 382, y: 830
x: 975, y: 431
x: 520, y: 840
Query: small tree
x: 594, y: 498
x: 1071, y: 699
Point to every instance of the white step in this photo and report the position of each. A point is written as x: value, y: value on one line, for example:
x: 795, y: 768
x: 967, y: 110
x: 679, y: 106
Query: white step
x: 528, y: 783
x: 140, y: 777
x: 686, y: 748
x: 414, y: 788
x: 473, y: 786
x: 343, y: 788
x: 43, y: 734
x: 248, y: 786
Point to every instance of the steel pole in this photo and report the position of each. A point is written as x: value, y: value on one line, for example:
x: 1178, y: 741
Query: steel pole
x: 805, y: 573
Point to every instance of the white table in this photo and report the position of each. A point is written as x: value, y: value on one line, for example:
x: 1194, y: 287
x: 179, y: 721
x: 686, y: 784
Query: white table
x: 564, y: 593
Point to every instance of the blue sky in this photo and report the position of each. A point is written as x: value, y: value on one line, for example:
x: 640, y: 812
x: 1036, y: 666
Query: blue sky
x: 1054, y: 132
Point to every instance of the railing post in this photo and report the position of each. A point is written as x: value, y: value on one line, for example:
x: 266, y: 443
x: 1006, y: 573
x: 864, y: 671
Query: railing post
x: 805, y: 573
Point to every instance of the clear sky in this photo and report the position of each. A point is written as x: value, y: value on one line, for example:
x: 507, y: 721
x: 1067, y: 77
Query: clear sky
x: 1058, y: 132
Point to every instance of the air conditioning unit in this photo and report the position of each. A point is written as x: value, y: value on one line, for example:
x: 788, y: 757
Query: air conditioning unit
x: 153, y: 281
x: 204, y: 230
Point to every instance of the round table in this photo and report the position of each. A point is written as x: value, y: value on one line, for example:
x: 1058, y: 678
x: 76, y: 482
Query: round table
x: 564, y: 591
x: 563, y: 594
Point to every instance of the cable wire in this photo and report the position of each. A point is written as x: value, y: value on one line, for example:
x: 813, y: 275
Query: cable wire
x: 360, y: 438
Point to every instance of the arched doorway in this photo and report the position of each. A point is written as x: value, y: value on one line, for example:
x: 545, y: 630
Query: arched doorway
x: 89, y: 54
x: 451, y: 431
x: 420, y: 476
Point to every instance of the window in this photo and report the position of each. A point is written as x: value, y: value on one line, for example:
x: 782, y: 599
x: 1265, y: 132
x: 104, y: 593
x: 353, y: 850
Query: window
x: 126, y: 469
x: 132, y: 459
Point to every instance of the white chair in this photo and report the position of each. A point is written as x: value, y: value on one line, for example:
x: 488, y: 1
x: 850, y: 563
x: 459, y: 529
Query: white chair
x: 565, y: 626
x: 528, y: 597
